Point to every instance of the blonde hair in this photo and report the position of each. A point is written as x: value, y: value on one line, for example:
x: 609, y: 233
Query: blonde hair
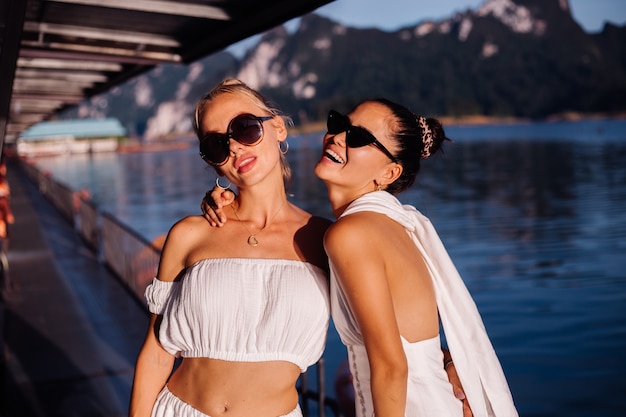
x: 234, y: 86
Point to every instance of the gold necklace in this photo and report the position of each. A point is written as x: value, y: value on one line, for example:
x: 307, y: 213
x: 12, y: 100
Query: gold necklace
x: 252, y: 240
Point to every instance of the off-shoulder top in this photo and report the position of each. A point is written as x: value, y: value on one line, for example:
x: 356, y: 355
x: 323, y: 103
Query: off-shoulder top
x: 244, y: 310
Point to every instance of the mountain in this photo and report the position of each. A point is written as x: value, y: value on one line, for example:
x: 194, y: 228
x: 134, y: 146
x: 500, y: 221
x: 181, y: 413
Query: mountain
x: 160, y: 102
x: 508, y: 58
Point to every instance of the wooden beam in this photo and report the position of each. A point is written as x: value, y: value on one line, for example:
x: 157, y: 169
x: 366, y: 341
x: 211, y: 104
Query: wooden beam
x: 123, y: 55
x: 101, y: 34
x: 61, y: 75
x: 67, y: 64
x: 86, y: 53
x: 157, y: 6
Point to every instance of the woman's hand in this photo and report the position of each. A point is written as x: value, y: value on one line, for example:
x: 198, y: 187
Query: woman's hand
x: 454, y: 379
x: 213, y: 203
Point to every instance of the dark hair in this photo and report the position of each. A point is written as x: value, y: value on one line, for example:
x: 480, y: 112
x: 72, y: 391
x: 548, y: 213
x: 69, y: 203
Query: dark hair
x: 416, y: 138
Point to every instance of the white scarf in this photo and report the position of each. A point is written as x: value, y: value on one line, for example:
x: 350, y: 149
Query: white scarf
x: 475, y: 360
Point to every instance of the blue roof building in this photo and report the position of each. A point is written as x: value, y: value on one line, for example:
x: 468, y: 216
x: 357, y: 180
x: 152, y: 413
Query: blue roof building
x: 61, y: 137
x: 77, y: 128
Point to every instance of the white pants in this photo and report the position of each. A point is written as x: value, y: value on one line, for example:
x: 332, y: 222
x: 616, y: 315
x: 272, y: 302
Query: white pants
x: 169, y: 405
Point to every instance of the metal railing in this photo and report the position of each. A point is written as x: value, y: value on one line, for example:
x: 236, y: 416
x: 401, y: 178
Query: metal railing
x: 129, y: 255
x: 135, y: 260
x: 87, y: 221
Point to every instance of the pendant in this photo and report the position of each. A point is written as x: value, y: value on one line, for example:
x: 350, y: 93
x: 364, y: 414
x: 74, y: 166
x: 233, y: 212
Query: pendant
x: 252, y: 241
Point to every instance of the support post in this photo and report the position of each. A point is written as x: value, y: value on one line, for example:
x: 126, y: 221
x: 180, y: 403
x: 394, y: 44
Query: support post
x: 12, y: 17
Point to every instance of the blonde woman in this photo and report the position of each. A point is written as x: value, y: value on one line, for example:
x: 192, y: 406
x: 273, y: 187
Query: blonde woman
x: 245, y: 305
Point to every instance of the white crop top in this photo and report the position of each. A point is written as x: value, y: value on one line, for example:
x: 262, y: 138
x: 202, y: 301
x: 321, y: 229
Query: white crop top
x: 244, y: 310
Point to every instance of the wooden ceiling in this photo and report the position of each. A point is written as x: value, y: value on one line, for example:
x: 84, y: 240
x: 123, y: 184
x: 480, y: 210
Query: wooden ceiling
x: 56, y: 53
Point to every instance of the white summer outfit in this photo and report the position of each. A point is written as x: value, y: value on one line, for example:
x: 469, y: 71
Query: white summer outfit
x: 242, y: 310
x: 428, y: 391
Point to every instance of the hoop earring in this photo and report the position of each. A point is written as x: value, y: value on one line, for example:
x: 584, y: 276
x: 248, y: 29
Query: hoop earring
x: 283, y: 151
x: 217, y: 183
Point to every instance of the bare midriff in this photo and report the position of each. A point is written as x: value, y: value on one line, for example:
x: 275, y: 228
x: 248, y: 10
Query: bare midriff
x: 222, y: 388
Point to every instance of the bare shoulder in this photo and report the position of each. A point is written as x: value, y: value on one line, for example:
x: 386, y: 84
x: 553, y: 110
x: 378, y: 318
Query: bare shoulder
x: 183, y: 237
x: 364, y: 224
x: 187, y: 228
x: 362, y: 232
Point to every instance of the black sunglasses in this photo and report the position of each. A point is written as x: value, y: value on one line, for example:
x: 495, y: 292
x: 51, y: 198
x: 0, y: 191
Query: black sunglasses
x: 246, y: 129
x: 356, y: 136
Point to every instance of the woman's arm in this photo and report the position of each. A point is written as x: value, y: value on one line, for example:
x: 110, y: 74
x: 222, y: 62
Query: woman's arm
x: 152, y: 370
x: 353, y: 249
x: 154, y: 364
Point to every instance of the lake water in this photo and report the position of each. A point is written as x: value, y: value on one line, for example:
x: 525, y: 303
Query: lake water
x: 534, y: 216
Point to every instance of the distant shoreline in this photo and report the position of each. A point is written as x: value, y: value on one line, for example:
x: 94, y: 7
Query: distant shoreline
x: 315, y: 127
x: 447, y: 121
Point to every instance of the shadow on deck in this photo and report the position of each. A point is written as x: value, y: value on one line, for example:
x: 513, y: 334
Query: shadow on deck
x: 70, y: 329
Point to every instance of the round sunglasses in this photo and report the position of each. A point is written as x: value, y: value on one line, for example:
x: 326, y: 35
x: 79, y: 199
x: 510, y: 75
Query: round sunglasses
x: 356, y: 136
x: 246, y: 129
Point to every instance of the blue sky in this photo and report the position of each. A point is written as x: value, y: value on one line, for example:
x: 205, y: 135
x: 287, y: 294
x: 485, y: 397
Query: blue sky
x: 392, y: 14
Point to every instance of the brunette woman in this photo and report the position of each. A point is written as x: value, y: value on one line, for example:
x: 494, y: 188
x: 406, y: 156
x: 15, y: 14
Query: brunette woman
x: 391, y: 277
